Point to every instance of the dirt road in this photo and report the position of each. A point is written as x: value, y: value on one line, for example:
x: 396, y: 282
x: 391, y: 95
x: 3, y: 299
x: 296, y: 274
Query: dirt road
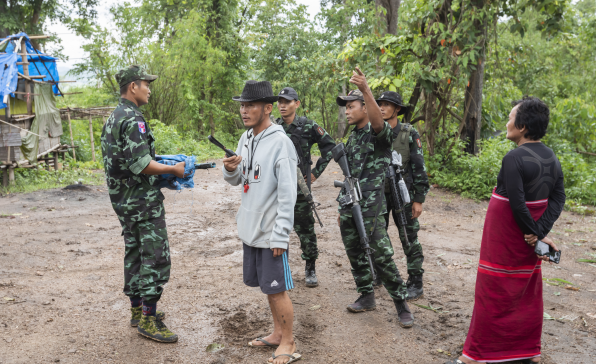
x: 61, y: 283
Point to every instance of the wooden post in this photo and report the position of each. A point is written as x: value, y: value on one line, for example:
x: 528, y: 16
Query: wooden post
x: 74, y: 153
x: 91, y: 137
x: 55, y: 161
x: 8, y: 109
x: 5, y: 177
x: 25, y: 61
x: 11, y: 175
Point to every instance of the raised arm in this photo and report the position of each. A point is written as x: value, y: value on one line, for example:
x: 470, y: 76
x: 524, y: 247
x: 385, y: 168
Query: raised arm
x: 374, y: 112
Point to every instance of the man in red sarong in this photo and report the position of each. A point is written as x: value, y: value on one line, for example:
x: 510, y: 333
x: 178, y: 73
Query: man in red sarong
x: 508, y: 310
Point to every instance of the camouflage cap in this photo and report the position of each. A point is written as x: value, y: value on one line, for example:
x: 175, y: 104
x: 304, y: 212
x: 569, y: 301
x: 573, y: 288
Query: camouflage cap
x: 352, y: 95
x: 133, y: 73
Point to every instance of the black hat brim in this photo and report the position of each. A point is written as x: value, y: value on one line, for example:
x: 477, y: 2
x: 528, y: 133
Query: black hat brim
x: 343, y: 100
x: 288, y: 97
x: 404, y: 109
x: 269, y: 99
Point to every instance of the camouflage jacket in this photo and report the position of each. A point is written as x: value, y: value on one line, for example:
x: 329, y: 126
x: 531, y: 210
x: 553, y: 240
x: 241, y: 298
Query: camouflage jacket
x: 364, y: 143
x: 312, y: 134
x: 417, y: 179
x: 127, y: 146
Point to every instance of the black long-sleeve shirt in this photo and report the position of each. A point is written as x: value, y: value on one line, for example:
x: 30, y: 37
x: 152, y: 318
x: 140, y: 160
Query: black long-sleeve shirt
x: 532, y: 172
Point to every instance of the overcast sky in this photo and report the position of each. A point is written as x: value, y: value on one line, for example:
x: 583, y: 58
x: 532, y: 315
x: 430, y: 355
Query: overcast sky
x: 72, y: 43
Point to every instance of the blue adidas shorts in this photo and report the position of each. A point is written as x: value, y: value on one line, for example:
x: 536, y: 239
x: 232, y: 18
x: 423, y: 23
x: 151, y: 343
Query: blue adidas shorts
x: 261, y: 269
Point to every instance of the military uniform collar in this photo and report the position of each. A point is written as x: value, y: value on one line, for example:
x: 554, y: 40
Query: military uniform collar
x: 364, y: 129
x: 131, y: 104
x: 281, y: 121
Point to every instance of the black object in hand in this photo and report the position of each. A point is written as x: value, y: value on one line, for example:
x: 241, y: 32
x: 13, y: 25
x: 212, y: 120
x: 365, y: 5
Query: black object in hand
x: 543, y: 248
x: 229, y: 153
x: 205, y: 165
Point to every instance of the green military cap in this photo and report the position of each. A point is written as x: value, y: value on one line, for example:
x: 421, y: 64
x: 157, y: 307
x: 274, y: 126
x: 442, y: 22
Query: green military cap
x: 352, y: 95
x: 133, y: 73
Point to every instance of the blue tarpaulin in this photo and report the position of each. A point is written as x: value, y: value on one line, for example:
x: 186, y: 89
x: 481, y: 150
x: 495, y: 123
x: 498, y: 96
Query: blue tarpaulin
x: 175, y: 183
x: 39, y: 64
x: 8, y: 76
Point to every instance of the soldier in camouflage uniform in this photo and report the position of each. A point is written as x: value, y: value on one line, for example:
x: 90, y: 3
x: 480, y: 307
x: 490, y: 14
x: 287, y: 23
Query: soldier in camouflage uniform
x: 304, y: 133
x: 366, y: 152
x: 407, y: 143
x: 128, y: 149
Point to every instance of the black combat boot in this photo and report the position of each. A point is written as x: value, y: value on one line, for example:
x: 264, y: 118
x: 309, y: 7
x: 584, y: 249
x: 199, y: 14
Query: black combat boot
x: 406, y: 317
x: 311, y: 274
x: 414, y: 288
x: 365, y: 302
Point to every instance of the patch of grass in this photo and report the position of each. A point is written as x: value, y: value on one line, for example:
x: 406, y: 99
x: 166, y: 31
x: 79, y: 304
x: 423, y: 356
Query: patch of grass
x: 556, y: 281
x: 582, y: 260
x: 29, y: 180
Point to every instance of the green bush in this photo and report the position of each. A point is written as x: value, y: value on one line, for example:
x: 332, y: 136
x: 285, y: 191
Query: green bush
x: 472, y: 176
x: 169, y: 141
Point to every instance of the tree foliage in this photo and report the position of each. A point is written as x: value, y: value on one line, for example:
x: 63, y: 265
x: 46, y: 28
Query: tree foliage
x: 459, y: 63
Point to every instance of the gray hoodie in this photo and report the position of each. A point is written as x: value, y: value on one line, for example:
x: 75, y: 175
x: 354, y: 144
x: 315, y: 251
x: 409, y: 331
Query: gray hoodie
x: 266, y: 215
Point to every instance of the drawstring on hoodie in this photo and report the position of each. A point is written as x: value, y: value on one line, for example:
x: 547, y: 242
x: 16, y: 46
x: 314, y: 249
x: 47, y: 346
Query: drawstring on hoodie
x: 251, y: 157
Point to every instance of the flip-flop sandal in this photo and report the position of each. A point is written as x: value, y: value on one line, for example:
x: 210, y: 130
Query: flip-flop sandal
x: 267, y: 343
x: 293, y: 357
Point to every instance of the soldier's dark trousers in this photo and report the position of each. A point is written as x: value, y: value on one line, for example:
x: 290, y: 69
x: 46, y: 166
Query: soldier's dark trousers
x: 413, y: 253
x: 383, y: 257
x: 304, y: 226
x: 146, y: 258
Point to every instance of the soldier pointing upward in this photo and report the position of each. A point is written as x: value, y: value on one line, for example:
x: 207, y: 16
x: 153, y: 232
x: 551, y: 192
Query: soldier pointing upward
x: 365, y: 150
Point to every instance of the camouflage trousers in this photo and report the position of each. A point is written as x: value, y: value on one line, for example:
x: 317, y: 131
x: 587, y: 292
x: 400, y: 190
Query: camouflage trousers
x: 413, y: 253
x: 304, y: 226
x: 146, y: 258
x: 383, y: 257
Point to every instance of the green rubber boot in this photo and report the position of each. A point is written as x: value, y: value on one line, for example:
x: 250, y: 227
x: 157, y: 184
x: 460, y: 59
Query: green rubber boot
x: 155, y: 329
x: 137, y: 314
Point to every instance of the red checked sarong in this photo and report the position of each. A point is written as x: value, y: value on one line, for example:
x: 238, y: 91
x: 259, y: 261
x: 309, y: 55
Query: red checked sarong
x: 507, y: 319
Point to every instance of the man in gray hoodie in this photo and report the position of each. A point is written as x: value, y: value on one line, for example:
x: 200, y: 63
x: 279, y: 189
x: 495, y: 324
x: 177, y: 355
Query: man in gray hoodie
x: 266, y: 165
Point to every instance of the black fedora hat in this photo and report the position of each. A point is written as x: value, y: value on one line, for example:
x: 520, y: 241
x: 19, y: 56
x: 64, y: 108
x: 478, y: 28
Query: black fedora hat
x: 394, y: 98
x: 257, y: 91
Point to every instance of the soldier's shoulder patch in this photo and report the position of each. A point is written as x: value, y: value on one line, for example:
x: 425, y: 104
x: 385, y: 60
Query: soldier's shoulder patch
x: 142, y: 127
x: 419, y: 143
x: 320, y: 130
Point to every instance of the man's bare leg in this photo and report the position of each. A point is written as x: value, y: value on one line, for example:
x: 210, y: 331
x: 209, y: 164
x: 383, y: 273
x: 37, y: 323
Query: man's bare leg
x: 283, y: 321
x: 275, y: 337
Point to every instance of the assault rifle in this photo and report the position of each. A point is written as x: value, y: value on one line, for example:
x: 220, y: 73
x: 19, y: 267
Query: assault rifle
x: 229, y: 153
x: 351, y: 199
x: 306, y: 192
x: 399, y: 191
